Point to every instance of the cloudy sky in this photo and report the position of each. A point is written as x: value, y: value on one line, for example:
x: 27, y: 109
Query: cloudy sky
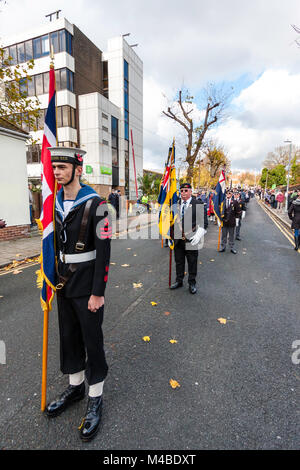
x: 247, y: 45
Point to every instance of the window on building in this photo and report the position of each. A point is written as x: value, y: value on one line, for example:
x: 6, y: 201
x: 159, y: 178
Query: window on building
x: 63, y: 79
x: 31, y: 86
x: 70, y: 80
x: 69, y: 39
x: 126, y: 70
x: 105, y: 78
x: 41, y: 119
x: 21, y: 52
x: 13, y: 55
x: 28, y: 50
x: 45, y: 45
x: 57, y: 80
x: 104, y: 116
x: 54, y: 41
x: 39, y: 87
x: 114, y: 157
x: 104, y: 142
x: 65, y: 116
x: 73, y: 118
x: 126, y: 130
x: 126, y: 101
x: 46, y: 82
x: 66, y: 119
x: 62, y: 40
x: 23, y: 87
x: 37, y: 48
x: 58, y: 117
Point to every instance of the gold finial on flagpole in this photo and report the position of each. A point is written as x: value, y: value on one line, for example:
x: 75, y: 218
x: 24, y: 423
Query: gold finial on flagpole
x: 51, y: 56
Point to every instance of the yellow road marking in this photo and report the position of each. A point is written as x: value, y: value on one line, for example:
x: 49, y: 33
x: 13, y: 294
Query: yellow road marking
x: 282, y: 228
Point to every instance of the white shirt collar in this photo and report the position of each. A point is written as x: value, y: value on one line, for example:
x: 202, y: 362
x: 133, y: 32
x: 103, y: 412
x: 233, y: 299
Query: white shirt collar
x: 187, y: 202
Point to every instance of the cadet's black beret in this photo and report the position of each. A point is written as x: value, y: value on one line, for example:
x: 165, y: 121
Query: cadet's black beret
x: 185, y: 185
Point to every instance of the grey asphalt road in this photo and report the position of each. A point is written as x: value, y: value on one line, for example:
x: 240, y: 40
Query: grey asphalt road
x: 239, y: 388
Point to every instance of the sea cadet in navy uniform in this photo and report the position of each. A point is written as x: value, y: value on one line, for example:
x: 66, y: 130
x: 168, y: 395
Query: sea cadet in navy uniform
x: 83, y: 236
x: 189, y: 231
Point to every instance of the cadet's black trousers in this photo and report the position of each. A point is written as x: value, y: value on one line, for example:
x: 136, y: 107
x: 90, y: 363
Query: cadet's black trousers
x: 192, y: 259
x: 81, y: 339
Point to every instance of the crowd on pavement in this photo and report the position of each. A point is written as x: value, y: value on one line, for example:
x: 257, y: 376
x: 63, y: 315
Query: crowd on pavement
x: 276, y: 199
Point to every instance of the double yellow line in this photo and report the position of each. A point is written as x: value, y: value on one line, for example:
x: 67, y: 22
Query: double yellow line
x: 286, y: 231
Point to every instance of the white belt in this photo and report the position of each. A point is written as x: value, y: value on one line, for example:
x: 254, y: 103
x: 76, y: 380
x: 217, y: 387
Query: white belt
x: 77, y: 257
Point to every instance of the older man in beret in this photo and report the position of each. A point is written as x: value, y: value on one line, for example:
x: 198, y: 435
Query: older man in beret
x: 189, y: 232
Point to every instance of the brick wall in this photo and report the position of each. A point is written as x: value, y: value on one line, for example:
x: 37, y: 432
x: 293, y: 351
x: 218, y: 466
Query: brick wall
x: 15, y: 231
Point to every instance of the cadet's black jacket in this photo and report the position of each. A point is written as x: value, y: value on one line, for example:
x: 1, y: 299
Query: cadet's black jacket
x: 231, y: 213
x: 294, y: 213
x: 90, y: 277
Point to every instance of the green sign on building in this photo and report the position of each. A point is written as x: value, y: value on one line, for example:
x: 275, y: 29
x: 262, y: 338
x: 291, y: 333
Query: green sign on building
x: 105, y: 170
x: 88, y: 169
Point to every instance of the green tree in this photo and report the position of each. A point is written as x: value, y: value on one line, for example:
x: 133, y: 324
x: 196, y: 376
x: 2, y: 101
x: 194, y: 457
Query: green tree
x: 15, y: 105
x: 295, y: 171
x: 275, y: 176
x: 149, y: 184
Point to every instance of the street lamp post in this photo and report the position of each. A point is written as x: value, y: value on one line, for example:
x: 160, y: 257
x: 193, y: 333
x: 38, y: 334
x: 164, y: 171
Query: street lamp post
x: 288, y: 178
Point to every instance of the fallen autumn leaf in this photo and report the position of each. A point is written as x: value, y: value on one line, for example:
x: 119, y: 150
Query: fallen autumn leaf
x: 174, y: 383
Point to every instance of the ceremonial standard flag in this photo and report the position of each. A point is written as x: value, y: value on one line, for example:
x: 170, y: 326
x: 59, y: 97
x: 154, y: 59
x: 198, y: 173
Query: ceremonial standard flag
x: 219, y: 197
x: 47, y: 273
x: 168, y: 199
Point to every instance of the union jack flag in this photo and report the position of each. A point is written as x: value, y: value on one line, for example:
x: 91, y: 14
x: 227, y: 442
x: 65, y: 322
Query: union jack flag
x: 47, y: 273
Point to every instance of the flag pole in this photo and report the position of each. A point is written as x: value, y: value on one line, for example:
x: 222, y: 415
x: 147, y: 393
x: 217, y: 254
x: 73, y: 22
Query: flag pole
x: 46, y: 309
x: 219, y: 237
x: 172, y: 227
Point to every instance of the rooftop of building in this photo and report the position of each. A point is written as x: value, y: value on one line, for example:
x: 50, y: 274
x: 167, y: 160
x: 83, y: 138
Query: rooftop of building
x: 6, y: 124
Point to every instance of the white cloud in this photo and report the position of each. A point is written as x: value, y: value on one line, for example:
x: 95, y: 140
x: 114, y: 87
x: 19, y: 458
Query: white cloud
x: 266, y: 114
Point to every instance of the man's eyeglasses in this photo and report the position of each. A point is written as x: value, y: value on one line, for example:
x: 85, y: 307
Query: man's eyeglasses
x: 184, y: 190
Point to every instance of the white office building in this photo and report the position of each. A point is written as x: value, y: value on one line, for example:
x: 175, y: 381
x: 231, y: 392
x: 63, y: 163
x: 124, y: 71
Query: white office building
x: 99, y: 101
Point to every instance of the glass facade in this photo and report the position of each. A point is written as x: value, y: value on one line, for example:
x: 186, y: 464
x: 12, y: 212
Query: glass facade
x: 105, y: 78
x: 39, y: 84
x: 40, y: 46
x: 126, y: 125
x: 115, y: 150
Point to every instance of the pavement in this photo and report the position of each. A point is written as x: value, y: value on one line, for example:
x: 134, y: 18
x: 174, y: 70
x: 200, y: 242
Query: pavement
x: 238, y: 386
x: 283, y: 216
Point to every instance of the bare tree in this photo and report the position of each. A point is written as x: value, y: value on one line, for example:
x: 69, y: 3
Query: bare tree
x: 183, y: 112
x: 280, y: 156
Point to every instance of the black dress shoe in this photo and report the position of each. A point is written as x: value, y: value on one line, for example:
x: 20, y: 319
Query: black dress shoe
x: 192, y: 289
x: 238, y: 238
x: 176, y: 285
x: 71, y: 395
x: 222, y: 250
x: 233, y: 251
x: 90, y: 423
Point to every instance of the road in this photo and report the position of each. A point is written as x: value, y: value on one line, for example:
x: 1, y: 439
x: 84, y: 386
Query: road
x: 239, y: 388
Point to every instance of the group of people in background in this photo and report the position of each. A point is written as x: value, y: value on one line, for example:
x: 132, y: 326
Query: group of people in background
x: 276, y: 199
